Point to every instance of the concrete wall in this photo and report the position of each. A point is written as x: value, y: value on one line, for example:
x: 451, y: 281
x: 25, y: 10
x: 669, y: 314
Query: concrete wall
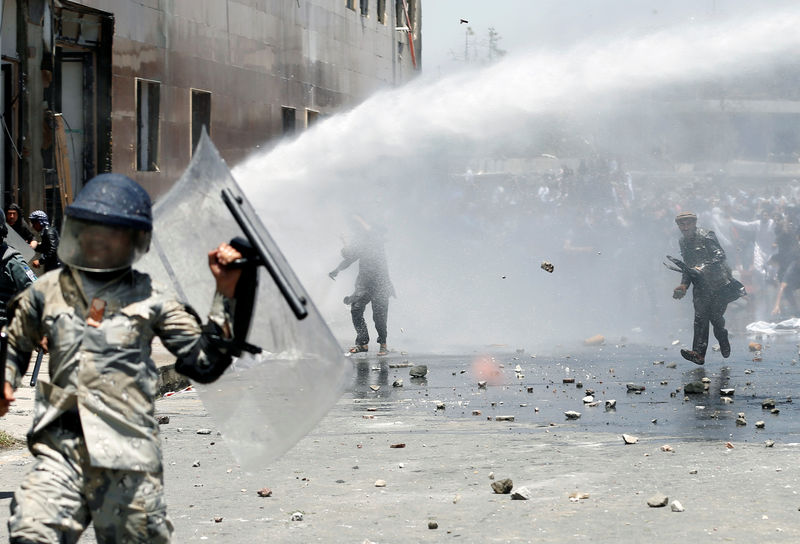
x: 254, y: 56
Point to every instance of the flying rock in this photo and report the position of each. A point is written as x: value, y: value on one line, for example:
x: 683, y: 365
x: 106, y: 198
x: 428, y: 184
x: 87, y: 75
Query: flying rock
x: 547, y: 266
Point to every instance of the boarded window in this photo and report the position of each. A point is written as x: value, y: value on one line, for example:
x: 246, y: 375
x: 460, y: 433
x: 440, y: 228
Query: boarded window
x: 381, y: 12
x: 288, y: 120
x: 201, y: 115
x: 147, y: 107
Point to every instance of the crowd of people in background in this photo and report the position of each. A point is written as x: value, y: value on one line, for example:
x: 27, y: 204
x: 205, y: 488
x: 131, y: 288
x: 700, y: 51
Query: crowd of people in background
x: 599, y: 207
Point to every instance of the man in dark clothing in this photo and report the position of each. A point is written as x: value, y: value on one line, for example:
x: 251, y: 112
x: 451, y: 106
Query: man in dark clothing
x: 48, y: 247
x: 708, y: 271
x: 15, y: 220
x: 15, y: 274
x: 372, y: 284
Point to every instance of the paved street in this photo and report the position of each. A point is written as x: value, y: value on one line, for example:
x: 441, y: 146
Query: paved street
x: 747, y: 493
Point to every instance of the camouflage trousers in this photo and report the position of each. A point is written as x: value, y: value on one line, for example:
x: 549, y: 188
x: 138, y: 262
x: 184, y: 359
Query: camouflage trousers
x: 62, y: 494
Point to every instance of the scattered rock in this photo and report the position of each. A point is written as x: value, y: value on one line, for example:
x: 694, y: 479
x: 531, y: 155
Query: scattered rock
x: 775, y: 411
x: 433, y: 525
x: 630, y: 439
x: 568, y: 380
x: 667, y: 448
x: 768, y: 404
x: 741, y: 419
x: 218, y: 519
x: 760, y: 424
x: 196, y: 464
x: 265, y: 492
x: 491, y: 475
x: 694, y: 388
x: 672, y: 365
x: 676, y: 506
x: 547, y: 266
x: 530, y: 389
x: 521, y: 494
x: 634, y: 387
x: 657, y: 501
x: 504, y: 418
x: 769, y: 443
x: 380, y: 483
x: 572, y: 414
x: 297, y: 516
x: 575, y: 496
x: 754, y: 346
x: 476, y: 412
x: 596, y: 340
x: 397, y: 383
x: 203, y: 431
x: 440, y: 405
x: 374, y: 387
x: 400, y: 445
x: 503, y: 487
x: 418, y: 371
x: 726, y: 400
x: 676, y: 342
x: 481, y: 385
x: 658, y: 362
x: 163, y: 420
x: 727, y: 392
x: 611, y: 404
x: 587, y: 399
x: 729, y: 445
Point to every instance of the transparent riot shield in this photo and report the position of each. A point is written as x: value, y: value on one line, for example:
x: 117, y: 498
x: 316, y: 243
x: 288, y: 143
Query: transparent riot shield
x: 15, y: 240
x: 265, y: 402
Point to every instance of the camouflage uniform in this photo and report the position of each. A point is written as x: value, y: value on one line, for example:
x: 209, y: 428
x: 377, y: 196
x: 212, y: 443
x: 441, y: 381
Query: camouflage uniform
x: 709, y: 297
x: 94, y: 434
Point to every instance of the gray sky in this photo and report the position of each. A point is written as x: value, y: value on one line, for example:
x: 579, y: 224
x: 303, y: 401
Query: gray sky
x: 526, y: 24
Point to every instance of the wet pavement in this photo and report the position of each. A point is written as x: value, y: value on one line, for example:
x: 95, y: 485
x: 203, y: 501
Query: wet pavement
x: 586, y: 485
x: 538, y: 395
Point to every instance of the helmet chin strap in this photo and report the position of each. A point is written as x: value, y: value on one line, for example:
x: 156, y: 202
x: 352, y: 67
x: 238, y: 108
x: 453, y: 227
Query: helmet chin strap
x: 105, y: 277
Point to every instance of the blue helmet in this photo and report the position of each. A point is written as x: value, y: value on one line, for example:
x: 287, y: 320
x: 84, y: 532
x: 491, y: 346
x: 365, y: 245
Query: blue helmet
x: 108, y: 226
x: 113, y: 199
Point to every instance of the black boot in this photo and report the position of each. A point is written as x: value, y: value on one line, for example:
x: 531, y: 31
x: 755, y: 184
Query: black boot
x: 725, y: 346
x: 693, y: 356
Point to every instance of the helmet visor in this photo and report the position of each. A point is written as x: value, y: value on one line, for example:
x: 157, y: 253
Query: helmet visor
x: 94, y: 247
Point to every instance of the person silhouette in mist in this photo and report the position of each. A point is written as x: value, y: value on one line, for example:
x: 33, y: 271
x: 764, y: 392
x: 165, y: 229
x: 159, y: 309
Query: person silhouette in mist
x: 372, y: 283
x: 714, y: 286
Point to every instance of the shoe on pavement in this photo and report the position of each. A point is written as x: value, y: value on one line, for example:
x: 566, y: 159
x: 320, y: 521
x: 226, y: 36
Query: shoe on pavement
x: 725, y: 347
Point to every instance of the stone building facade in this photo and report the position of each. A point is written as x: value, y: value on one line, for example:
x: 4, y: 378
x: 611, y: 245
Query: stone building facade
x: 127, y: 85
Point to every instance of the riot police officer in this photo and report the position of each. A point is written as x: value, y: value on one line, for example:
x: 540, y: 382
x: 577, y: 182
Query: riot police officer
x: 714, y: 286
x: 94, y: 436
x: 15, y: 274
